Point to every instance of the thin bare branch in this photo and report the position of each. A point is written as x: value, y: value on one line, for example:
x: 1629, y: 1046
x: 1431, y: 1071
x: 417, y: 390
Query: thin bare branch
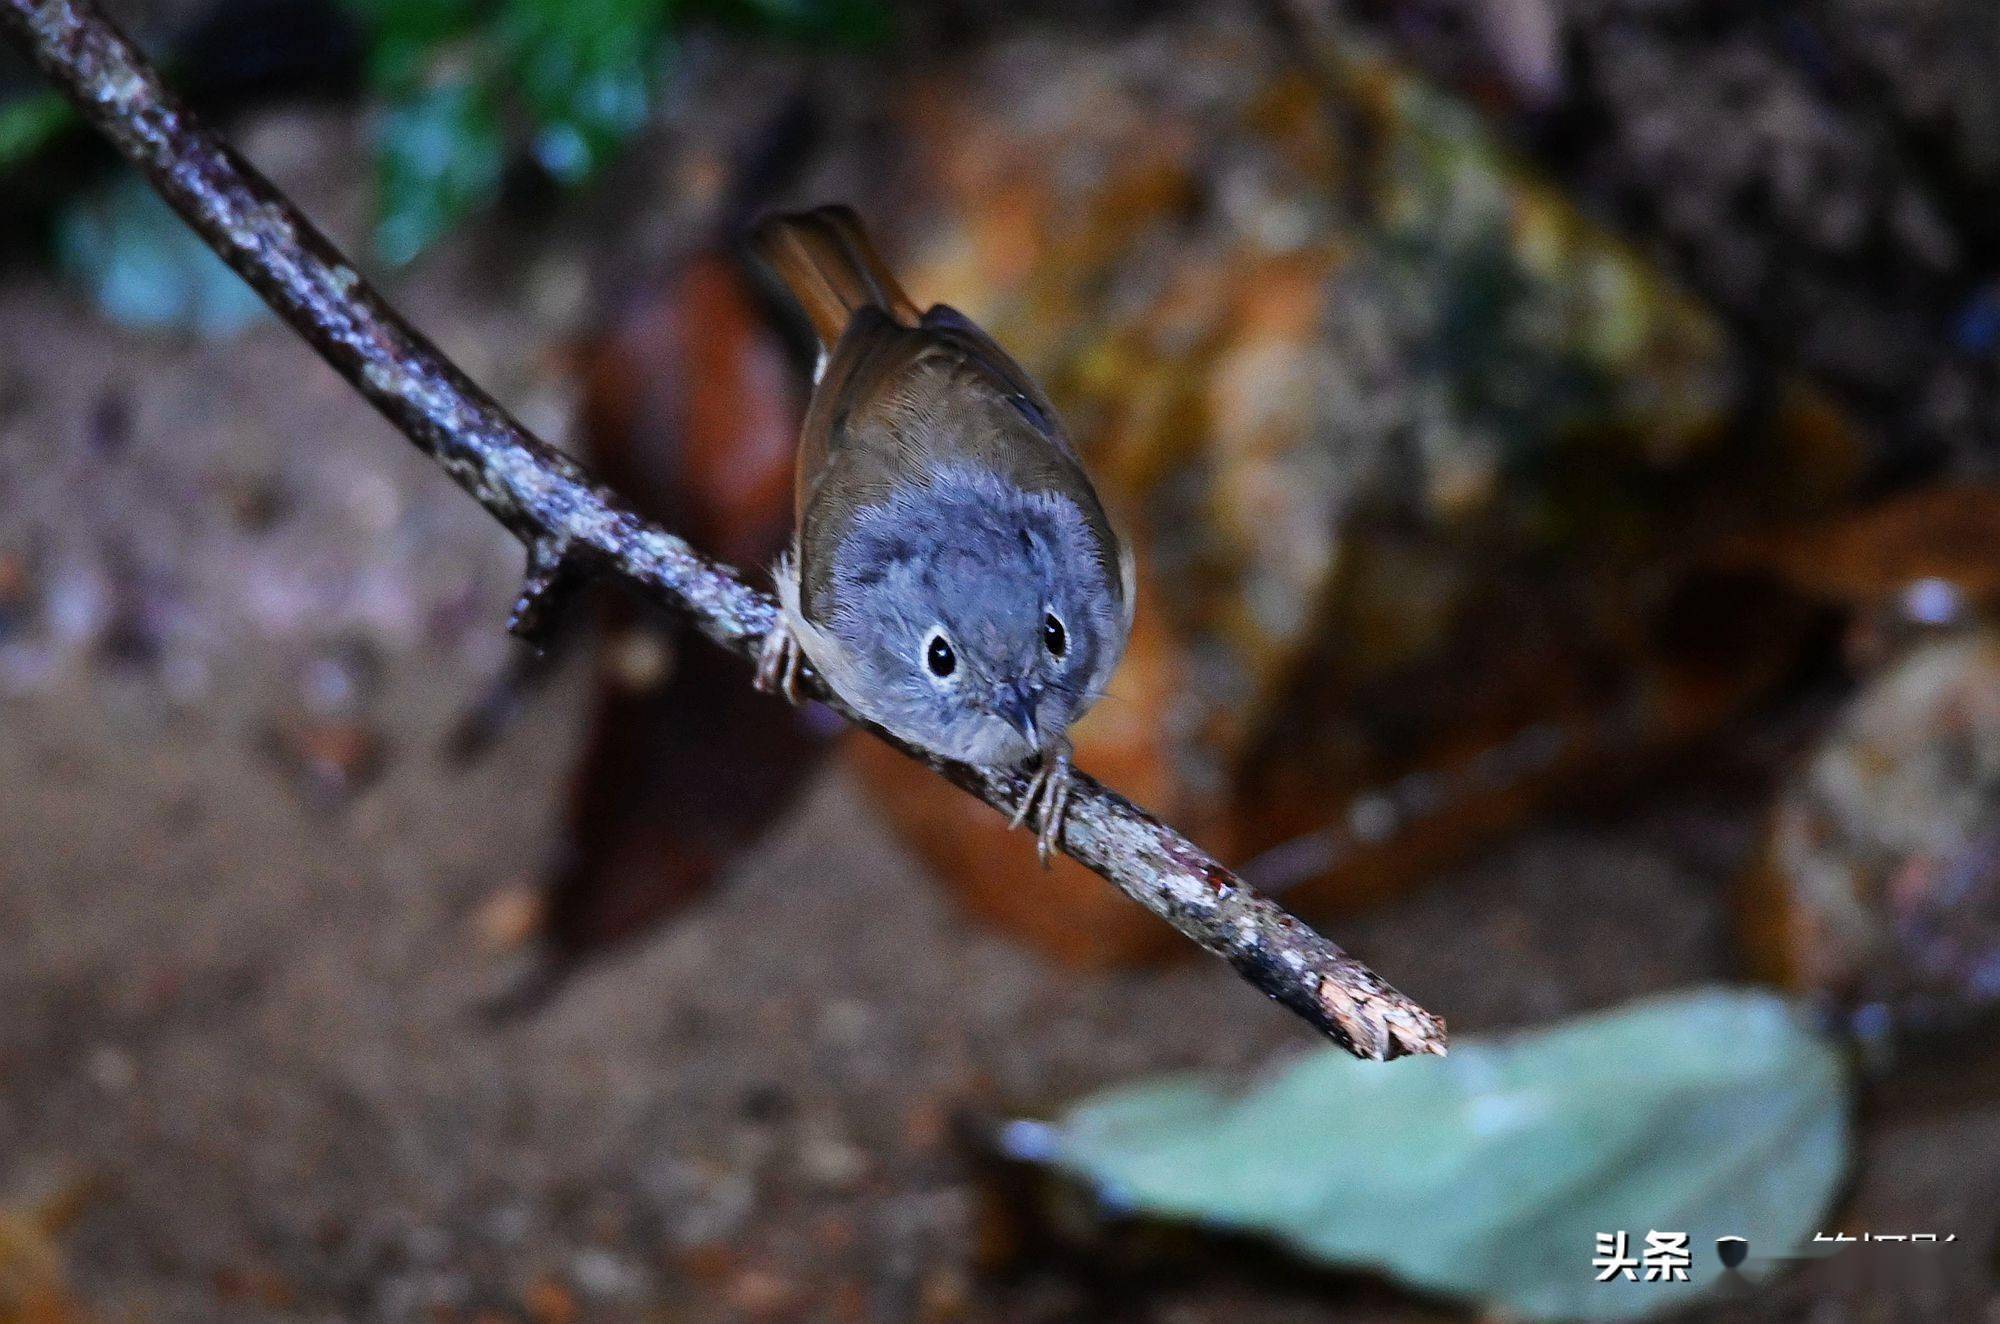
x: 570, y: 525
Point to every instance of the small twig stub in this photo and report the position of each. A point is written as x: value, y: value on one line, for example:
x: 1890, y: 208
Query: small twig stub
x: 547, y: 585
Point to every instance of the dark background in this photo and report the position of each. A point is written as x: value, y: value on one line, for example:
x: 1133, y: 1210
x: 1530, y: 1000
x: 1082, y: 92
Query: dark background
x: 258, y: 907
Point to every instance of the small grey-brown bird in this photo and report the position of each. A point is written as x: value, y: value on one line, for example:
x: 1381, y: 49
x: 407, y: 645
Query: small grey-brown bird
x: 953, y: 576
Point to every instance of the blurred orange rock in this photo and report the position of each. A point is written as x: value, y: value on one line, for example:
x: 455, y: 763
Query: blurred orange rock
x: 1422, y: 467
x: 1946, y: 534
x: 1918, y: 561
x: 760, y: 1293
x: 34, y: 1284
x: 548, y: 1301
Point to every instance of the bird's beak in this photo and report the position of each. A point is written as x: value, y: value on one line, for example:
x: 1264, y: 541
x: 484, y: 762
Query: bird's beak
x: 1017, y: 709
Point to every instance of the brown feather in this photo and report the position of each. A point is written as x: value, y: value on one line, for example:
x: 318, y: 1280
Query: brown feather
x: 827, y: 261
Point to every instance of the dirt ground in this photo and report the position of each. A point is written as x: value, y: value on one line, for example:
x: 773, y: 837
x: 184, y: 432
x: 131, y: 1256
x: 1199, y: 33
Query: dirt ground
x: 242, y: 1026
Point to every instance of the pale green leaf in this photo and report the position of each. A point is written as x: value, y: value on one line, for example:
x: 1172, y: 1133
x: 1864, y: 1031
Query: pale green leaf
x: 1489, y: 1173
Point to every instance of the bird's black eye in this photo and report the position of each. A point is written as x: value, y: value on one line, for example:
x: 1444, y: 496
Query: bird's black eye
x: 939, y: 657
x: 1054, y: 637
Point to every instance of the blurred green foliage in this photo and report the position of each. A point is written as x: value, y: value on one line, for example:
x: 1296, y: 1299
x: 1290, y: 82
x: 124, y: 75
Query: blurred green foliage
x: 28, y: 123
x: 466, y: 85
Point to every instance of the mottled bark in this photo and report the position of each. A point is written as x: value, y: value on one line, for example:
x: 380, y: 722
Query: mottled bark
x: 573, y: 527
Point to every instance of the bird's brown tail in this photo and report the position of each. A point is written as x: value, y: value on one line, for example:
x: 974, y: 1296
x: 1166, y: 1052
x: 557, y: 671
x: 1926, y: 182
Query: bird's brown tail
x: 825, y: 259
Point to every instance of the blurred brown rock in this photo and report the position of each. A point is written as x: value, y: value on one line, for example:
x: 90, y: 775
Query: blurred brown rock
x: 1918, y: 561
x: 690, y: 413
x: 1880, y: 878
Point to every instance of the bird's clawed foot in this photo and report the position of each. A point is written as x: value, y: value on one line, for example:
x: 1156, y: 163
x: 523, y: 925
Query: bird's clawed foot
x: 778, y: 661
x: 1049, y: 789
